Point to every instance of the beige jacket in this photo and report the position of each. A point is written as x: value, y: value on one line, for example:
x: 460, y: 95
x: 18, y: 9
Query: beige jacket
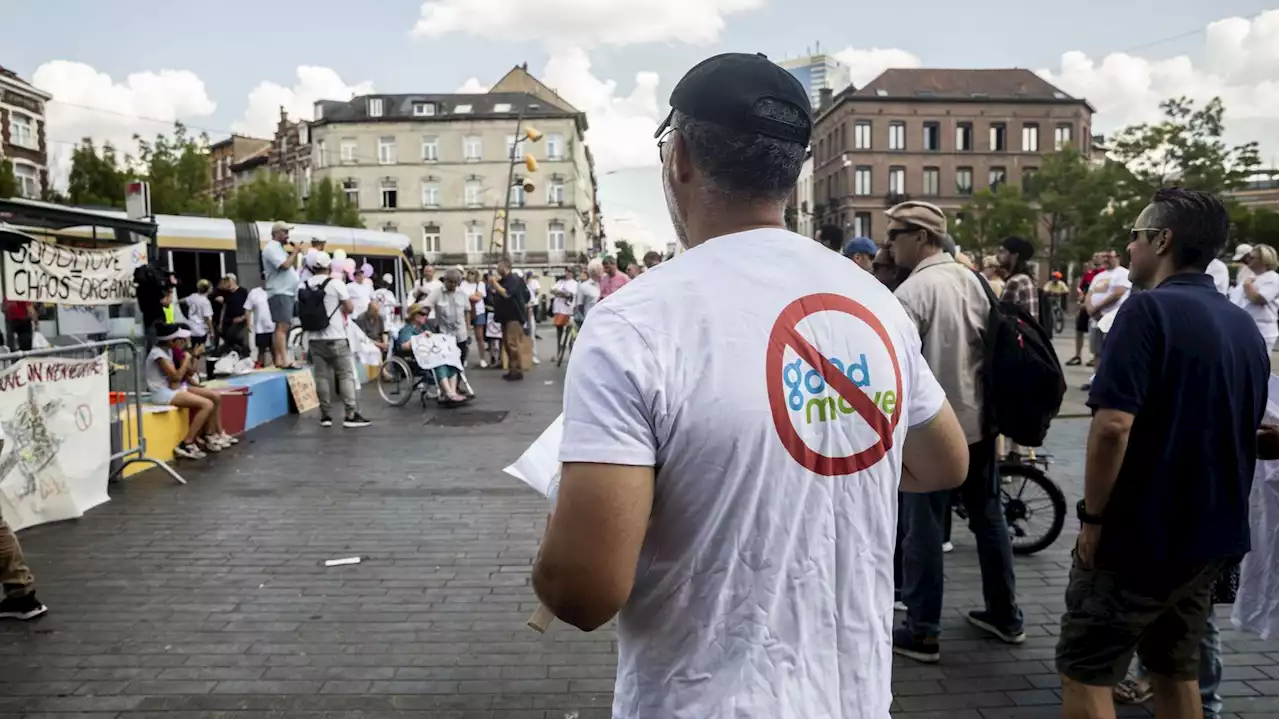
x: 949, y: 306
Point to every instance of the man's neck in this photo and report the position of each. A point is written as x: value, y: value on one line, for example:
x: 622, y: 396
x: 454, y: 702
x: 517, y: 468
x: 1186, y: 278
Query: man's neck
x: 718, y: 221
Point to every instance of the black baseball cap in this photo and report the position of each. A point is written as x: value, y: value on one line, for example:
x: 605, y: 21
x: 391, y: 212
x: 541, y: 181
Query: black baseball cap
x: 726, y: 90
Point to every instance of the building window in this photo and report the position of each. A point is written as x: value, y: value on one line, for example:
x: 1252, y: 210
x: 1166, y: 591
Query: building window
x: 862, y: 135
x: 475, y: 238
x: 515, y: 150
x: 862, y: 224
x: 430, y: 149
x: 930, y: 182
x: 471, y: 151
x: 998, y: 141
x: 1030, y: 138
x: 964, y: 181
x: 461, y: 109
x: 390, y: 227
x: 351, y: 191
x: 386, y: 150
x: 322, y: 158
x: 897, y: 135
x: 28, y: 178
x: 862, y: 181
x: 555, y: 236
x: 22, y: 131
x: 932, y: 137
x: 995, y: 177
x: 390, y: 195
x: 502, y: 107
x: 517, y: 237
x: 430, y: 238
x: 430, y: 194
x: 1061, y: 136
x: 555, y: 146
x: 473, y: 193
x: 348, y: 151
x: 555, y: 193
x: 1028, y: 178
x: 375, y: 107
x: 964, y: 137
x: 424, y: 109
x: 897, y: 180
x: 517, y: 194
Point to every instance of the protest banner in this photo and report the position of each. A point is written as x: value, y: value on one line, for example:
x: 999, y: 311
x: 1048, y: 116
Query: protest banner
x: 46, y: 272
x: 57, y: 428
x: 302, y: 387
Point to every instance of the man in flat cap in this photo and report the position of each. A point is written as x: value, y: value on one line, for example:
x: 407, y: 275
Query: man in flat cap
x: 731, y: 455
x: 950, y: 307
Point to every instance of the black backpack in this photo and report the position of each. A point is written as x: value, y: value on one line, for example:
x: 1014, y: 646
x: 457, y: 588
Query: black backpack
x: 311, y: 307
x: 1022, y: 383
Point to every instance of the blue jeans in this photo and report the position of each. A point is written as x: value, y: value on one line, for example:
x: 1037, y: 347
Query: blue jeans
x: 922, y: 525
x: 1210, y: 669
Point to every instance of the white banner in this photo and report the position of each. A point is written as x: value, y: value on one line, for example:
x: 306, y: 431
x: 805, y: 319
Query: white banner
x: 45, y: 272
x: 57, y: 448
x: 436, y: 350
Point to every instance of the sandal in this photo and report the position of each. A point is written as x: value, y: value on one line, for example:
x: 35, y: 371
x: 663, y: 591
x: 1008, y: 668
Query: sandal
x: 1092, y: 363
x: 1073, y: 362
x: 1132, y: 690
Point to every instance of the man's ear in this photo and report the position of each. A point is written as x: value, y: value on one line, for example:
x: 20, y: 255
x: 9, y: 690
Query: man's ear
x: 681, y: 168
x: 1163, y: 243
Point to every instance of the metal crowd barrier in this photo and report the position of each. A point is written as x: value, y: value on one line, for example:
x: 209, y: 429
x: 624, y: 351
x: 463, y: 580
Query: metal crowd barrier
x: 128, y: 444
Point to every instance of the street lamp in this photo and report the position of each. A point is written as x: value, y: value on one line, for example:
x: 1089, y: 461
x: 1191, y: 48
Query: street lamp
x: 522, y: 133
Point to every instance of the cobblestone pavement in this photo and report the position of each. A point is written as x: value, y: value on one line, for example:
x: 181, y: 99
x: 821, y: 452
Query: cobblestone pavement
x: 211, y: 600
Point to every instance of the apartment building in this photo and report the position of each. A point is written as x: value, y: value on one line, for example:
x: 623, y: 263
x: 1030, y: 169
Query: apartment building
x: 817, y: 73
x: 290, y: 153
x: 937, y: 136
x: 436, y: 168
x: 234, y: 161
x: 22, y: 133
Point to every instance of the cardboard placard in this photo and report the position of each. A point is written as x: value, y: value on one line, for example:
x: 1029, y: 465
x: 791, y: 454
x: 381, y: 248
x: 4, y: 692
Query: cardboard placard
x: 302, y: 386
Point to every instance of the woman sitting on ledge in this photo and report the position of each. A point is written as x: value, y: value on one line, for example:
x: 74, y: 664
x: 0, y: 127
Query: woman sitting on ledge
x: 172, y: 385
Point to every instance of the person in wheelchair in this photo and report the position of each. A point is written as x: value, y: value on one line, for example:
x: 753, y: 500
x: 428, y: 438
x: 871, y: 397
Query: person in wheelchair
x: 446, y: 378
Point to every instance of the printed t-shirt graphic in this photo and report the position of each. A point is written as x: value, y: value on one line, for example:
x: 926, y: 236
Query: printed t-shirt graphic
x: 765, y: 583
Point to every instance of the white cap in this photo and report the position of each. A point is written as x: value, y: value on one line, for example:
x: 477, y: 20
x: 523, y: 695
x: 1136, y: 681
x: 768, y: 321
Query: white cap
x: 179, y: 334
x: 1241, y: 251
x: 321, y: 260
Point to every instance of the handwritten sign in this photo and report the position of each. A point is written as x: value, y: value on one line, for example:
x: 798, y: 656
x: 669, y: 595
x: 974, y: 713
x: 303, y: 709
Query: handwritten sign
x: 46, y: 272
x: 302, y: 386
x: 55, y: 460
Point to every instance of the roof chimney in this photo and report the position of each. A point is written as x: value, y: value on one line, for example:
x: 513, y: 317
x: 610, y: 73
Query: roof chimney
x: 824, y: 98
x: 524, y: 66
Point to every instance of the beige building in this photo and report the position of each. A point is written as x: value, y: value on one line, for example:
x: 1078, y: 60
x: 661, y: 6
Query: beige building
x: 22, y: 133
x: 936, y: 136
x: 435, y: 167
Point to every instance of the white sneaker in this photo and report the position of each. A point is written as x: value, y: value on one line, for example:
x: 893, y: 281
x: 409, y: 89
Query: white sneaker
x: 228, y: 439
x: 484, y: 364
x: 189, y: 451
x: 947, y: 547
x: 209, y: 445
x: 536, y: 360
x: 899, y: 606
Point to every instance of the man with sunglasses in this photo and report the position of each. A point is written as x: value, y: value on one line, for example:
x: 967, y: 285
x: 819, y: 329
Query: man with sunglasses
x: 949, y: 306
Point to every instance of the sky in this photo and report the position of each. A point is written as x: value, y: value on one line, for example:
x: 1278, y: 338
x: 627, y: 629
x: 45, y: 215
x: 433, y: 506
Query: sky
x: 130, y: 66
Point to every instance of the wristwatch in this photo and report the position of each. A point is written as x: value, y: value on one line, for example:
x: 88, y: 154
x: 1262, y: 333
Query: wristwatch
x: 1084, y: 516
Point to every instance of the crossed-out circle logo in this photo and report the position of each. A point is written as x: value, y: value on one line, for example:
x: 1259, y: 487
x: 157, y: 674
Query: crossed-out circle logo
x: 834, y: 384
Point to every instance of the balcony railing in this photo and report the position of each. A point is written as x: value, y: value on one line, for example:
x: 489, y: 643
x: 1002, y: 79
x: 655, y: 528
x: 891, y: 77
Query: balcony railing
x: 895, y: 198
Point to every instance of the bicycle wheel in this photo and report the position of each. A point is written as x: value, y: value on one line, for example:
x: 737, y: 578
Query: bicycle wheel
x: 561, y: 342
x: 396, y: 382
x: 1059, y: 321
x: 571, y: 333
x: 1034, y: 507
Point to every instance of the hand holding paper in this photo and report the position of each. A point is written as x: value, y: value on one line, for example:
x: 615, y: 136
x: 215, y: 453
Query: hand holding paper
x: 539, y: 467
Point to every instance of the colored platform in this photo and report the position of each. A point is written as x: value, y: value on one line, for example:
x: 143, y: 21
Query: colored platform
x: 268, y: 396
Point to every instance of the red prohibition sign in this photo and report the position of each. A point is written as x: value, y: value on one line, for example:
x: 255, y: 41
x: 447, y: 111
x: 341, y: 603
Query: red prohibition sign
x: 784, y: 334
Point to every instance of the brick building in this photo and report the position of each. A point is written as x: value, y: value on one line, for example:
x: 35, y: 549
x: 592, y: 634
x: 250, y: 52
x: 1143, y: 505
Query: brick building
x: 936, y: 136
x: 22, y: 133
x: 231, y: 161
x: 290, y: 153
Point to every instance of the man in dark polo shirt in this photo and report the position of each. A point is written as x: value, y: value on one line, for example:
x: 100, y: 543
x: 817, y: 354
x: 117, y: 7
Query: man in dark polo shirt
x: 510, y: 303
x: 1178, y: 400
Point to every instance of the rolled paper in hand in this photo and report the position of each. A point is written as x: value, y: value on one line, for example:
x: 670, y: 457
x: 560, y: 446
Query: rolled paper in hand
x: 540, y: 619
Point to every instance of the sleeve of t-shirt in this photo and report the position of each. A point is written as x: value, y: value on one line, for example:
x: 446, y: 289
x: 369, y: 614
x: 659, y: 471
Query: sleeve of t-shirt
x: 925, y: 396
x: 339, y: 290
x: 610, y: 396
x: 1268, y: 286
x: 1124, y: 371
x: 273, y: 256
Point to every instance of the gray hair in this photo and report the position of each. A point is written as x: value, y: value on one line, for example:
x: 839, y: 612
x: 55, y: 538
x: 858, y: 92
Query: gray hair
x: 745, y: 167
x: 453, y: 274
x: 595, y: 267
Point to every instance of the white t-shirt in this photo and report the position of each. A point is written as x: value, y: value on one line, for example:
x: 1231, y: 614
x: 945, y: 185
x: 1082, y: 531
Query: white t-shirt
x: 361, y: 293
x: 1217, y: 269
x: 334, y: 294
x: 561, y: 305
x: 764, y: 588
x: 1104, y: 282
x: 256, y: 303
x: 470, y: 288
x: 1265, y: 316
x: 199, y: 313
x: 535, y: 287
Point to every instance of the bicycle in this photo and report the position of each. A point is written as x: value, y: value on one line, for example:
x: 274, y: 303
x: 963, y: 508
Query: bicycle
x: 565, y: 346
x: 1059, y: 318
x: 1022, y: 512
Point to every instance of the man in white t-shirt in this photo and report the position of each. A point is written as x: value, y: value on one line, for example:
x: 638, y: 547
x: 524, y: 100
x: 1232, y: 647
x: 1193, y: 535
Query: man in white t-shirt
x: 1221, y: 275
x: 259, y: 310
x: 330, y: 351
x: 1106, y: 293
x: 729, y: 488
x: 200, y: 313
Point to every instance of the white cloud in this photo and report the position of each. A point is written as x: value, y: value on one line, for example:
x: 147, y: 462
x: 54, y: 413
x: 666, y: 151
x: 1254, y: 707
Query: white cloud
x: 88, y: 103
x: 643, y: 232
x: 620, y: 22
x: 865, y: 65
x: 472, y: 86
x: 1240, y: 67
x: 314, y: 83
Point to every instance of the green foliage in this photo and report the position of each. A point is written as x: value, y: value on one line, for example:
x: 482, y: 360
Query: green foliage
x: 178, y: 169
x: 97, y: 178
x: 1078, y: 205
x: 1185, y: 149
x: 993, y: 215
x: 1254, y: 227
x: 8, y: 183
x: 626, y: 254
x: 327, y: 206
x: 267, y: 198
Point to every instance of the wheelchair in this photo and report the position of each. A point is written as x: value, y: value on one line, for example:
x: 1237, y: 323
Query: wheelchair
x: 400, y: 377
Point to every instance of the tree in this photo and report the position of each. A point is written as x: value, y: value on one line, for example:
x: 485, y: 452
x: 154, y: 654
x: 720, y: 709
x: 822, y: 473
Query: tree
x: 626, y: 255
x: 1077, y: 204
x: 326, y: 206
x: 993, y: 215
x: 267, y: 198
x: 1260, y: 225
x: 179, y: 172
x: 8, y: 183
x: 96, y: 178
x: 1185, y: 149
